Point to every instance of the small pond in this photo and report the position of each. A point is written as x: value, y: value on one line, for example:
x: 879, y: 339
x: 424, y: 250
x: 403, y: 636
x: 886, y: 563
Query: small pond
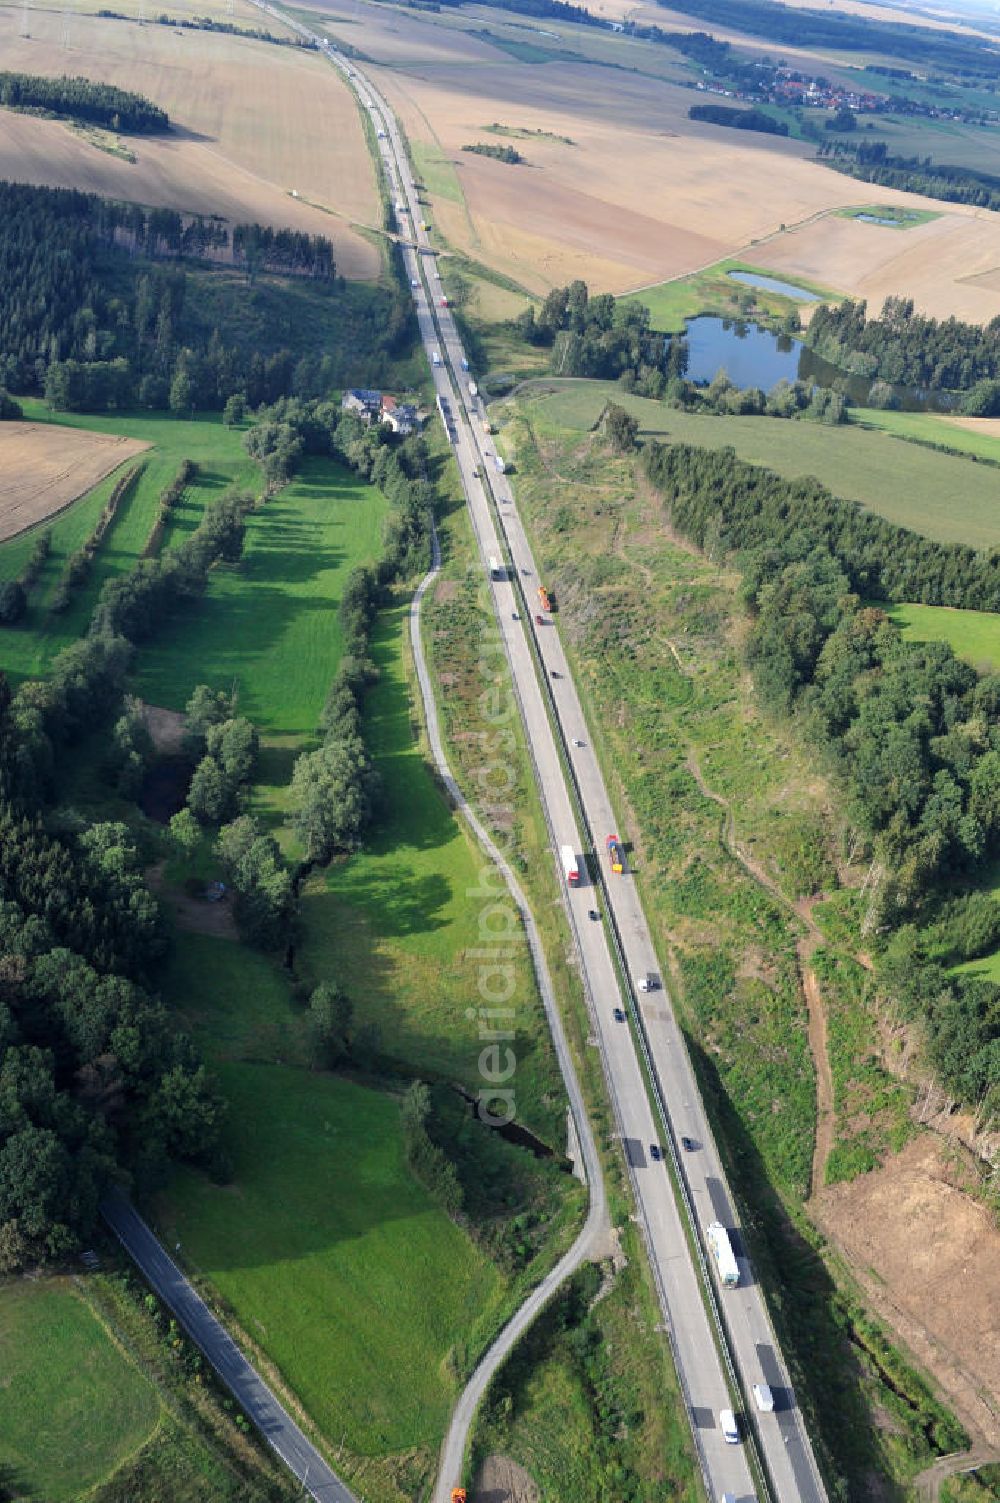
x: 892, y: 224
x: 772, y: 284
x: 752, y: 356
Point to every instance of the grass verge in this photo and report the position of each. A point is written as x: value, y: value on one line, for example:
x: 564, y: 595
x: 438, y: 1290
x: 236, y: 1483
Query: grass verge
x: 653, y: 630
x: 713, y: 290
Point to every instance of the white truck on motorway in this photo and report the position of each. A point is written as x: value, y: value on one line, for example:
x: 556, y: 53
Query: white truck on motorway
x: 570, y: 869
x: 501, y: 464
x: 435, y: 357
x: 473, y: 389
x: 722, y: 1250
x: 496, y: 568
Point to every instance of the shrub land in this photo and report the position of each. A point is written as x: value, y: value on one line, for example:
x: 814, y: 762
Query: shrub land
x: 734, y: 824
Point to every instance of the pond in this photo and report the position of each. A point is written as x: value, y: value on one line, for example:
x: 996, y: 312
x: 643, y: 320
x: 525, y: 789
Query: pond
x: 752, y: 356
x: 772, y: 284
x: 894, y: 224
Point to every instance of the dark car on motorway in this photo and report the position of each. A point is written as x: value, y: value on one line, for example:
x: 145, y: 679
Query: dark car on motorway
x: 619, y: 1015
x: 655, y: 1152
x: 688, y: 1145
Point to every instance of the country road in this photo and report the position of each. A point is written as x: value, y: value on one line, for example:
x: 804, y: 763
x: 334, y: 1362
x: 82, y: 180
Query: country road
x: 211, y: 1337
x: 722, y: 1339
x: 593, y: 1240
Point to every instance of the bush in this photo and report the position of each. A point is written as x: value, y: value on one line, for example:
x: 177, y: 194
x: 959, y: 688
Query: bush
x: 13, y: 602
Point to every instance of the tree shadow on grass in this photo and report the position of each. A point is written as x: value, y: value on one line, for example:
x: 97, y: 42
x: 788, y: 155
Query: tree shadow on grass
x: 401, y: 902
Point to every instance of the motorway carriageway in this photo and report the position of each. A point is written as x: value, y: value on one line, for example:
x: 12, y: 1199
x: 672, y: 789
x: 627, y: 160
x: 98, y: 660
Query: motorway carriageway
x: 710, y: 1371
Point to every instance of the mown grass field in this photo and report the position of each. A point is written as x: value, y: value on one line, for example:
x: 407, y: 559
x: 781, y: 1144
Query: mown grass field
x: 73, y: 1407
x: 411, y: 903
x: 269, y: 626
x: 931, y: 428
x: 27, y: 649
x: 973, y: 635
x: 943, y: 496
x: 324, y: 1244
x: 714, y: 291
x: 335, y: 1260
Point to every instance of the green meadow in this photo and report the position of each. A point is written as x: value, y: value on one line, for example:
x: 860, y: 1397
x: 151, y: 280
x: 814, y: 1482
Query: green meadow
x: 269, y: 625
x: 973, y: 635
x: 27, y: 649
x: 73, y: 1407
x: 943, y: 496
x: 409, y: 908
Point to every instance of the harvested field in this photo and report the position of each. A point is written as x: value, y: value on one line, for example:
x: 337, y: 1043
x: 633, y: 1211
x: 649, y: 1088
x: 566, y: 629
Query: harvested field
x: 950, y: 265
x: 44, y: 468
x: 919, y: 1243
x: 238, y: 147
x: 691, y: 194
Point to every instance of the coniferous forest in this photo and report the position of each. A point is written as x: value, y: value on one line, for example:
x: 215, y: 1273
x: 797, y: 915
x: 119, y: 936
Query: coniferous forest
x: 83, y: 100
x: 905, y: 347
x: 106, y: 306
x: 909, y: 730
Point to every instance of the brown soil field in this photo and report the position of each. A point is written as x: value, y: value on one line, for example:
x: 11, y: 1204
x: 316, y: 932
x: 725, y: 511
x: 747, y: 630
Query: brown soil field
x: 948, y: 266
x: 252, y: 122
x: 643, y: 194
x: 43, y: 468
x: 919, y: 1243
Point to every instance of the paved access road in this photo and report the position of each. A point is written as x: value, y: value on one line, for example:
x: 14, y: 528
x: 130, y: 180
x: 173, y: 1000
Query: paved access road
x: 707, y: 1378
x: 592, y: 1241
x: 256, y: 1399
x: 780, y: 1435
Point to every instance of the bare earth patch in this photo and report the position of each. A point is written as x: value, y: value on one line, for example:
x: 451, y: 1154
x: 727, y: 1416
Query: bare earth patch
x: 922, y: 1247
x: 194, y: 914
x: 501, y: 1480
x: 166, y: 729
x: 44, y: 468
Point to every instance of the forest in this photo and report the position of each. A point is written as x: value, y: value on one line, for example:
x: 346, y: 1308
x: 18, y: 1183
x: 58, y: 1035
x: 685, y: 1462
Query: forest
x: 871, y: 162
x: 910, y: 731
x: 807, y: 27
x: 721, y: 114
x: 96, y: 1084
x: 904, y: 347
x: 91, y: 317
x: 599, y: 337
x: 81, y: 99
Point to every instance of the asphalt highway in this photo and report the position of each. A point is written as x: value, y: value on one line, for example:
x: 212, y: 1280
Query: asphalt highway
x: 749, y: 1343
x: 253, y: 1394
x: 723, y: 1344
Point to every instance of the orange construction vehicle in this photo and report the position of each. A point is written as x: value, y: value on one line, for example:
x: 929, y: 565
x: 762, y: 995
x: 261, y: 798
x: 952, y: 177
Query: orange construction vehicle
x: 458, y: 1495
x: 615, y: 854
x: 545, y: 598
